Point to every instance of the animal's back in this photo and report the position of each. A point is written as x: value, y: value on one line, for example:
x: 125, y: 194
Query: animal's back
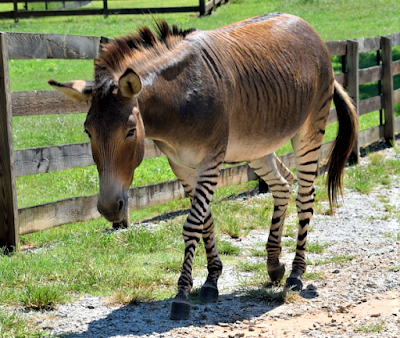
x: 273, y: 67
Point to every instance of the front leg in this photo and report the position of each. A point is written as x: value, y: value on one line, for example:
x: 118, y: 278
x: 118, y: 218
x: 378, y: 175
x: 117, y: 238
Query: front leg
x: 193, y: 231
x: 209, y: 291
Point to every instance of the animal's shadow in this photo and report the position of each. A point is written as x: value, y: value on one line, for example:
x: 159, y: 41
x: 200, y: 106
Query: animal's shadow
x: 153, y: 317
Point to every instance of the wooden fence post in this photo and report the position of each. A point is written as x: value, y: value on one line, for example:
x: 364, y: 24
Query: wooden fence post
x: 16, y: 10
x: 105, y: 8
x: 202, y: 6
x: 387, y: 84
x: 9, y: 227
x: 353, y: 88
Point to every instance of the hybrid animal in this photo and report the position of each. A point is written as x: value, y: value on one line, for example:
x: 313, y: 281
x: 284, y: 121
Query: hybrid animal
x: 232, y: 94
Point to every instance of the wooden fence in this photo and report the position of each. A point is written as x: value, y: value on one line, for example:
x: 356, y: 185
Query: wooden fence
x: 14, y: 221
x: 204, y: 7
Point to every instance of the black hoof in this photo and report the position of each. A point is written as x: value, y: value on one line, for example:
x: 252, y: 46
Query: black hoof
x: 179, y: 310
x: 293, y: 284
x: 277, y: 274
x: 208, y: 293
x: 120, y: 225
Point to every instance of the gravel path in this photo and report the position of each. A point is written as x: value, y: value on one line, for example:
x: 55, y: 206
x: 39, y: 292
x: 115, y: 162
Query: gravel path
x: 353, y: 299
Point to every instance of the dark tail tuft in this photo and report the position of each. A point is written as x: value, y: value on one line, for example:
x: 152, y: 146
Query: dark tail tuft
x: 343, y: 144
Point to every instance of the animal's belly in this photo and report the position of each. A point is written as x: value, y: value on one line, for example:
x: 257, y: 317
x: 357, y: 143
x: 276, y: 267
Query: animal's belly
x: 251, y: 149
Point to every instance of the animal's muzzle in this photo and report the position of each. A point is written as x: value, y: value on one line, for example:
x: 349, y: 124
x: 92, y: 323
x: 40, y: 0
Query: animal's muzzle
x: 113, y: 209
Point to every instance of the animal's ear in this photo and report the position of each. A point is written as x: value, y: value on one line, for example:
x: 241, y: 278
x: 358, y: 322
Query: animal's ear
x: 130, y: 83
x: 78, y: 90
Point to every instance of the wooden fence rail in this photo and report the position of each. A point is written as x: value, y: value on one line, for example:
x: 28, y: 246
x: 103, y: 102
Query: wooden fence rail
x: 204, y: 7
x: 14, y: 221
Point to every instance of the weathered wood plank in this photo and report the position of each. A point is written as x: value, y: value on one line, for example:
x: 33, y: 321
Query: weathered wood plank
x: 44, y: 102
x: 338, y: 47
x: 45, y: 216
x: 369, y: 105
x: 341, y: 78
x: 52, y: 46
x: 371, y: 74
x: 397, y: 124
x: 395, y: 37
x: 47, y: 159
x: 332, y: 115
x: 110, y: 11
x: 396, y: 67
x: 387, y: 86
x: 211, y: 4
x: 369, y: 44
x: 365, y: 106
x: 236, y: 175
x: 396, y: 96
x: 372, y: 135
x: 9, y: 236
x: 78, y: 209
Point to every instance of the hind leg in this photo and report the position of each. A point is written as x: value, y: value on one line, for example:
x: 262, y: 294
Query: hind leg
x: 279, y: 180
x: 209, y: 290
x: 306, y: 146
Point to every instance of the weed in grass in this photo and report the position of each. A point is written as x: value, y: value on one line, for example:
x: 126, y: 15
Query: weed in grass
x: 395, y: 236
x: 41, y: 297
x: 316, y: 247
x: 12, y: 326
x: 171, y: 264
x: 371, y: 328
x: 257, y: 268
x: 358, y: 179
x: 333, y: 260
x: 290, y: 244
x: 290, y: 297
x: 258, y: 253
x: 231, y: 226
x: 313, y: 276
x: 264, y: 294
x: 289, y: 229
x: 130, y: 296
x: 227, y: 248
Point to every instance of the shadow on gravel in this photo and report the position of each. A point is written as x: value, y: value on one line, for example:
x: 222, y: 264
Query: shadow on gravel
x: 152, y: 318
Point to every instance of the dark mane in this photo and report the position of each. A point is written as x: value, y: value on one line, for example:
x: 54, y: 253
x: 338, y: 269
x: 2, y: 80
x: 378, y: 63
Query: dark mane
x: 114, y: 54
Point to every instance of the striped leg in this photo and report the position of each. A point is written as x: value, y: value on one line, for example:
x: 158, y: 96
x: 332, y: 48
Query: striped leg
x: 198, y: 224
x: 209, y: 291
x: 306, y: 150
x: 279, y: 180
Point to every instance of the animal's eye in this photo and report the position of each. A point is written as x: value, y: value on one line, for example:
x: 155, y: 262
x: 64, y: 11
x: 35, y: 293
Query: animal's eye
x: 90, y: 136
x: 131, y: 132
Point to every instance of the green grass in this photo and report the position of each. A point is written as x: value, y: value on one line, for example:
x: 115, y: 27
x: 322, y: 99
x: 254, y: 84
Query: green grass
x: 371, y: 328
x: 333, y: 260
x: 378, y: 172
x: 13, y: 326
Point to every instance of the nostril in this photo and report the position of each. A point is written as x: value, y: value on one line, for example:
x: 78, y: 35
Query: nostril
x: 120, y: 205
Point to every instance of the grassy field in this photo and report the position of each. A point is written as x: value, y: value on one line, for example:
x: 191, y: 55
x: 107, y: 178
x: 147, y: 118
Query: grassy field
x: 111, y: 263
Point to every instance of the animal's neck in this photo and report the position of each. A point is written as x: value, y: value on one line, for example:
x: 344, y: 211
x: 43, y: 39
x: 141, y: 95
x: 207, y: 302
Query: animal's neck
x: 162, y: 91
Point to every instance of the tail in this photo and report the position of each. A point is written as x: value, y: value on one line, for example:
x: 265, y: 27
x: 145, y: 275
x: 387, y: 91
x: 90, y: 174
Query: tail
x: 343, y: 144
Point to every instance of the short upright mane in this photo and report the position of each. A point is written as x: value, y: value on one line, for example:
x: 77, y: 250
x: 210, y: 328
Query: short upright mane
x: 113, y: 54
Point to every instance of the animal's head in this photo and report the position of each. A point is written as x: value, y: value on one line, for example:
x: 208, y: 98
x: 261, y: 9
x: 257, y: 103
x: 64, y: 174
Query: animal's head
x: 115, y: 128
